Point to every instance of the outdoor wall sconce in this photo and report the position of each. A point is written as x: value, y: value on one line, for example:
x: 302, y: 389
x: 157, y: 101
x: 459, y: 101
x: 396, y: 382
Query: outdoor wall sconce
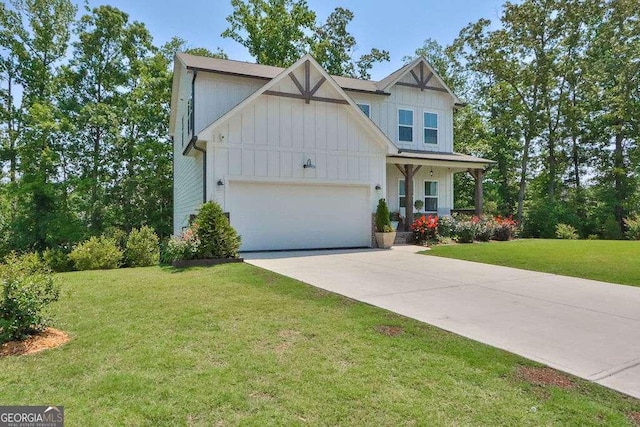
x: 220, y: 183
x: 378, y: 188
x: 431, y: 172
x: 309, y: 165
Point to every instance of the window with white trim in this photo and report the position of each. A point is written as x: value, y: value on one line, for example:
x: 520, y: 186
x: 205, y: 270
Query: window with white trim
x: 366, y: 109
x: 430, y: 128
x: 402, y: 193
x: 405, y: 125
x: 431, y: 196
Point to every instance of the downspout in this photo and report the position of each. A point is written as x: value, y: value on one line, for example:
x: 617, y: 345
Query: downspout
x: 194, y: 137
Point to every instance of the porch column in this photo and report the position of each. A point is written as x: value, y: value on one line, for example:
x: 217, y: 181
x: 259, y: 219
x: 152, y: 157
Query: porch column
x: 408, y: 171
x: 477, y: 175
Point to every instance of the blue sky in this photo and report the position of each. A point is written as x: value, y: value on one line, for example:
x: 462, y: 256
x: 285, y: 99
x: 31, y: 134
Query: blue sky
x: 399, y: 26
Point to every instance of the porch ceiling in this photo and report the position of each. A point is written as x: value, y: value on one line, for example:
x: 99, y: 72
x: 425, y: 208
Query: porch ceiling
x: 430, y: 158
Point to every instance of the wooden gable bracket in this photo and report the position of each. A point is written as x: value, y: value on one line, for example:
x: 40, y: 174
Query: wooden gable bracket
x: 422, y: 81
x: 307, y: 93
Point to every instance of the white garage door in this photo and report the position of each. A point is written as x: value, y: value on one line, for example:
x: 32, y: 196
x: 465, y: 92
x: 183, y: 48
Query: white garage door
x: 289, y: 216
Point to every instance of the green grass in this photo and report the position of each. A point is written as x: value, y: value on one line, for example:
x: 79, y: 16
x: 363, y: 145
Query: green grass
x: 234, y: 344
x: 614, y: 261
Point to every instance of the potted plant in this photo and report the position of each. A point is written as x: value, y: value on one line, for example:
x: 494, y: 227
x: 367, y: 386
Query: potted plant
x: 385, y: 234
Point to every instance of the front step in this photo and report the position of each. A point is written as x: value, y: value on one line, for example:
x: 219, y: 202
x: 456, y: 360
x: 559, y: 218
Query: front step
x: 403, y: 238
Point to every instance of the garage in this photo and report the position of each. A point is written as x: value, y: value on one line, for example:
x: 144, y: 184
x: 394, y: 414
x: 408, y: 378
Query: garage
x: 277, y: 216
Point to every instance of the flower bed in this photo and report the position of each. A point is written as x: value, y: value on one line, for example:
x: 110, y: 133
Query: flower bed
x: 431, y: 229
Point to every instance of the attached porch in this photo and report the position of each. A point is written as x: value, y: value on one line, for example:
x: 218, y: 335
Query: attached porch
x: 431, y: 181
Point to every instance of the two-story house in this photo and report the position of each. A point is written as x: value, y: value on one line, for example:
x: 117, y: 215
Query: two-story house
x: 299, y: 158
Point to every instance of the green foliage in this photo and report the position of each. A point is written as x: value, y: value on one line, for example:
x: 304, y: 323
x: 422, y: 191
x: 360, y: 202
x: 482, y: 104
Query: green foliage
x: 382, y: 216
x: 57, y: 259
x: 217, y: 237
x: 485, y: 229
x: 565, y: 231
x: 279, y: 32
x: 142, y: 247
x: 27, y: 289
x: 633, y: 227
x: 97, y: 253
x: 504, y: 229
x: 186, y: 246
x: 611, y: 229
x: 273, y: 31
x: 465, y: 231
x: 542, y: 217
x: 446, y: 226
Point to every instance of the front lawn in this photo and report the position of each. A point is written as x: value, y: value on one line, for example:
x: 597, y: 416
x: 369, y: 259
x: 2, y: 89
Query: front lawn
x: 613, y: 261
x: 234, y: 344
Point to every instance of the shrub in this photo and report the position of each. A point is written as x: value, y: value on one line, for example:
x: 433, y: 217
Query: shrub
x: 217, y: 237
x: 445, y: 226
x: 57, y: 259
x: 425, y: 228
x: 633, y: 227
x: 185, y: 246
x: 484, y: 229
x: 504, y: 228
x: 142, y: 247
x: 97, y: 253
x: 567, y: 232
x: 611, y: 229
x: 27, y: 289
x: 383, y: 224
x: 465, y: 231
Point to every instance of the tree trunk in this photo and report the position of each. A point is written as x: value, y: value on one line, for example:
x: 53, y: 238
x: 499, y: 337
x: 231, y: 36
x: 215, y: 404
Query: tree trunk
x: 619, y: 174
x: 552, y: 168
x: 523, y: 176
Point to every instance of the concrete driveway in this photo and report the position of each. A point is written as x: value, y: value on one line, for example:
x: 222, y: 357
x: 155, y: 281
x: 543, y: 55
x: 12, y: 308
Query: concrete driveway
x: 583, y: 327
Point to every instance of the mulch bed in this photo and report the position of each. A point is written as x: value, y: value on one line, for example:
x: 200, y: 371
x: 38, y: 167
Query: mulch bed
x: 545, y: 377
x: 49, y: 338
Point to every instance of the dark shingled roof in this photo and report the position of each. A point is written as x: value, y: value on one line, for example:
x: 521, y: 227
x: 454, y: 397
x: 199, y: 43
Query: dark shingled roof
x: 267, y: 72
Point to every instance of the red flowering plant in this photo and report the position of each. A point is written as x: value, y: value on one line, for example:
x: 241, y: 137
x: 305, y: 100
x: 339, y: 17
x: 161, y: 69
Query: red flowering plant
x: 505, y: 228
x: 425, y: 228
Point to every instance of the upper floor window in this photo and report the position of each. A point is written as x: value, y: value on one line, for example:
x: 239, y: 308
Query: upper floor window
x: 405, y: 125
x: 366, y: 109
x: 430, y: 128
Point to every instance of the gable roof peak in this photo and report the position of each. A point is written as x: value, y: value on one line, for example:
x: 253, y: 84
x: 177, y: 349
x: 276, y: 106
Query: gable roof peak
x: 393, y: 78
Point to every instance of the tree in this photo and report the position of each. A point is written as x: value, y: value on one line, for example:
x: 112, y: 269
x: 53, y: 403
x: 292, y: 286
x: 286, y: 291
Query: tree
x: 35, y: 36
x: 108, y: 54
x: 273, y: 31
x: 279, y: 32
x: 333, y: 47
x: 614, y: 56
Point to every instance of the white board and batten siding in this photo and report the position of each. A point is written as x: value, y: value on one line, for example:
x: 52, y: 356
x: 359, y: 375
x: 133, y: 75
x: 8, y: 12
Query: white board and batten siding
x: 384, y: 113
x: 259, y: 154
x: 187, y: 170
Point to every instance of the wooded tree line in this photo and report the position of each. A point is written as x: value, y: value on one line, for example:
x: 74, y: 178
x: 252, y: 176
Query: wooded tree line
x: 84, y: 104
x: 554, y: 97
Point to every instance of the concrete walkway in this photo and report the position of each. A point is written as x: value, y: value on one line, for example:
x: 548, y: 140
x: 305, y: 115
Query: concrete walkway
x: 583, y: 327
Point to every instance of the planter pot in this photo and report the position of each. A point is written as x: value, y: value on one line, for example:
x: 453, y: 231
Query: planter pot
x: 204, y: 262
x: 385, y: 240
